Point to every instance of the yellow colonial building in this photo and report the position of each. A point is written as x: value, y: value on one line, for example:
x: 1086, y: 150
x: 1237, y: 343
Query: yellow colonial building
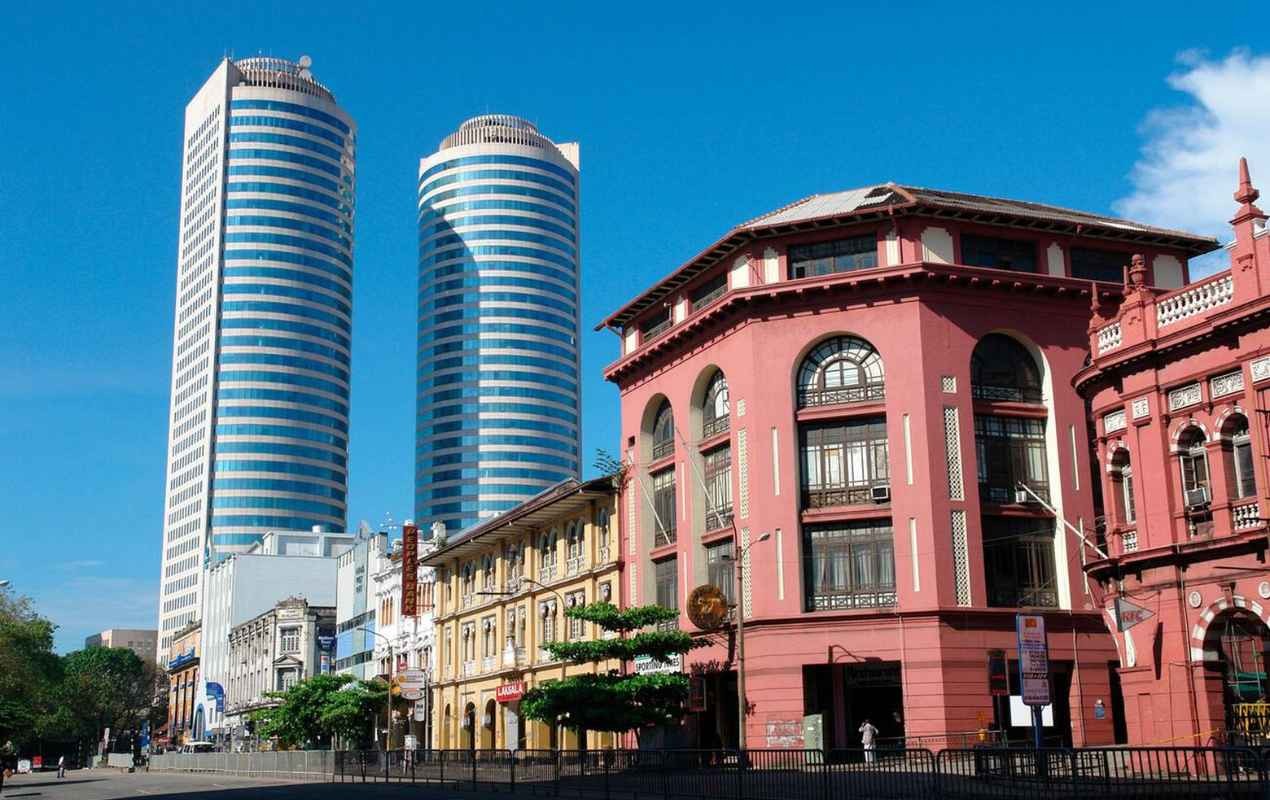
x: 502, y: 589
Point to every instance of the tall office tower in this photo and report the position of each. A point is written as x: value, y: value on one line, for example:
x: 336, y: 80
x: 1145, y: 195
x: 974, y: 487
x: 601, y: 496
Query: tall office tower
x: 498, y: 395
x: 260, y: 365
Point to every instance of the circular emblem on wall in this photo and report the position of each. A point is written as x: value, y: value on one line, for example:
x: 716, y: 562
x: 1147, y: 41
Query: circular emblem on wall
x: 1263, y: 589
x: 1195, y: 599
x: 707, y: 607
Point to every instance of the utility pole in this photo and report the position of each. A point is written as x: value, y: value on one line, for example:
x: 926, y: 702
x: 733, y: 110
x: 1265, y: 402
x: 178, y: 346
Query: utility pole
x: 739, y: 606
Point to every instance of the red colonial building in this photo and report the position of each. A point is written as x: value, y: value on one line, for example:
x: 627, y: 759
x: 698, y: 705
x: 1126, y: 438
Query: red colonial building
x: 854, y: 387
x: 1179, y: 386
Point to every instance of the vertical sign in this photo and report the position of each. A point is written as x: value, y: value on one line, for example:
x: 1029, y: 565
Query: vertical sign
x: 1034, y: 663
x: 409, y: 570
x: 998, y: 680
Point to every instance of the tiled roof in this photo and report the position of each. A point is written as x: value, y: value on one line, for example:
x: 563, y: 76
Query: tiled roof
x: 836, y: 207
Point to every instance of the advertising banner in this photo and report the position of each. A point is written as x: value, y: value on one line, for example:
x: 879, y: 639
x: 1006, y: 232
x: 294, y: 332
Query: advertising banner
x: 510, y: 692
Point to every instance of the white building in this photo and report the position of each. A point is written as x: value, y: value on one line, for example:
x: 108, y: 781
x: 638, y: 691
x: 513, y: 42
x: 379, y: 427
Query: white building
x: 258, y: 426
x: 272, y: 652
x: 374, y: 637
x: 140, y: 641
x: 284, y: 564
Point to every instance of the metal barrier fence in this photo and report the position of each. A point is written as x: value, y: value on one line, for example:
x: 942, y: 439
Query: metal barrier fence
x: 976, y: 773
x: 298, y: 764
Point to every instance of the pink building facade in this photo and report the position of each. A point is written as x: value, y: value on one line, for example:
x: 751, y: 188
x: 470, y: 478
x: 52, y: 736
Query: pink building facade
x: 847, y: 392
x: 1179, y: 386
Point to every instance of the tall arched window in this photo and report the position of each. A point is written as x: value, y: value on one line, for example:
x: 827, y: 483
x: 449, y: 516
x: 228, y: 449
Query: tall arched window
x: 1003, y: 369
x: 1193, y: 461
x: 487, y: 573
x: 844, y: 369
x: 663, y: 431
x: 1122, y: 486
x: 547, y: 555
x: 1237, y: 448
x: 714, y: 407
x: 574, y: 546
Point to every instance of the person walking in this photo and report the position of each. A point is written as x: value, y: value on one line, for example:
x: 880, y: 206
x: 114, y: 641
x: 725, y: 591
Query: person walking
x: 868, y: 738
x: 61, y: 767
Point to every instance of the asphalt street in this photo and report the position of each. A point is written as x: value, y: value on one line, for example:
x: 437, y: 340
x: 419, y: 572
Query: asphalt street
x: 104, y: 784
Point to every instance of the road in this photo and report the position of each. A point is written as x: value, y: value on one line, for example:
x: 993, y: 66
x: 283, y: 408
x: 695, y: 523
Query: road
x: 106, y: 784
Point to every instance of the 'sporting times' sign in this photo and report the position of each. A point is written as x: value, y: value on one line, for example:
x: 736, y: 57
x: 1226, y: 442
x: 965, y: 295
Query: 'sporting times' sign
x: 1034, y: 661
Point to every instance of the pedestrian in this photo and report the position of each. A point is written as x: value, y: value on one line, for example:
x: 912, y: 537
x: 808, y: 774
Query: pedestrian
x: 61, y: 767
x: 868, y: 738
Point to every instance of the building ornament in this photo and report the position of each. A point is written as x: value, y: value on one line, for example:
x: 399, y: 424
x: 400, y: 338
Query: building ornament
x: 1184, y: 396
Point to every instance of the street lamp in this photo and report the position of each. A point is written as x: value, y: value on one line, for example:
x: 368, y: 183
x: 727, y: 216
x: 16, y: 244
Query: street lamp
x: 4, y: 584
x: 739, y: 560
x: 392, y: 666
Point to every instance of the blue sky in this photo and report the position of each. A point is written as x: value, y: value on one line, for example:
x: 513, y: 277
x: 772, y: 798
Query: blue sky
x: 690, y: 119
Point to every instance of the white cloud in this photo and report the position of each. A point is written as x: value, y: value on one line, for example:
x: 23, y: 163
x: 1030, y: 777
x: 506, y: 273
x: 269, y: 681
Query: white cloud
x: 1189, y: 164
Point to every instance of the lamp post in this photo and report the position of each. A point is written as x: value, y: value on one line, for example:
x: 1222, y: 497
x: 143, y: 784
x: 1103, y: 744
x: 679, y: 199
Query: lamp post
x: 392, y: 667
x: 739, y: 560
x: 4, y: 584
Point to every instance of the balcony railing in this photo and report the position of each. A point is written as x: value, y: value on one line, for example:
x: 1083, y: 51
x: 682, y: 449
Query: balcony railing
x: 545, y: 656
x: 1023, y: 597
x: 1109, y: 338
x: 1246, y: 516
x: 469, y: 599
x: 488, y: 663
x: 469, y: 668
x: 847, y: 599
x: 547, y: 572
x: 652, y: 332
x: 719, y: 518
x: 1129, y: 541
x: 1006, y: 394
x: 663, y: 536
x: 663, y: 449
x: 1194, y: 300
x: 828, y: 497
x: 713, y: 427
x: 513, y: 585
x: 1009, y: 494
x: 573, y: 565
x: 602, y: 553
x: 848, y: 394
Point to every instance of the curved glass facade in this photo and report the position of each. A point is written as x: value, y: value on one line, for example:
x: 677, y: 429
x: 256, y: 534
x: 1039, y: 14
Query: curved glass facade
x: 258, y: 435
x: 291, y: 263
x: 497, y: 415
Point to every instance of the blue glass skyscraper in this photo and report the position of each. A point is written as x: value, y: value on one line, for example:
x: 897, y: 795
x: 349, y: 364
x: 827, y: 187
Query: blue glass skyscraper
x: 498, y: 396
x: 261, y: 345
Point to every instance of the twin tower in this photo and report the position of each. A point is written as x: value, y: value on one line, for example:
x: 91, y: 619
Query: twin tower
x: 262, y: 340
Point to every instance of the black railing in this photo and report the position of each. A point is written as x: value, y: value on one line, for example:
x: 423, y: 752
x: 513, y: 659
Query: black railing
x: 957, y: 773
x: 663, y: 448
x: 713, y: 427
x: 874, y: 393
x: 718, y: 518
x: 833, y: 496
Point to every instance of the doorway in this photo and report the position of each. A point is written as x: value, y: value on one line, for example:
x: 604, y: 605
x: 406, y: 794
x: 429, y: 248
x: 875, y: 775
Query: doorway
x: 717, y: 721
x: 845, y: 695
x: 1238, y: 640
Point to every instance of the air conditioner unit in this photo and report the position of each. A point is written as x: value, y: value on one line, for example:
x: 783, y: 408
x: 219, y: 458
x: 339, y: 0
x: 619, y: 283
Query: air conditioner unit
x: 1022, y: 496
x: 1197, y: 497
x: 881, y: 494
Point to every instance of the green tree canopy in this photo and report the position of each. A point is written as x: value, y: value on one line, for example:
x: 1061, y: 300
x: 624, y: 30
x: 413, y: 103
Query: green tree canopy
x: 28, y: 669
x: 315, y: 709
x: 101, y: 687
x: 615, y: 702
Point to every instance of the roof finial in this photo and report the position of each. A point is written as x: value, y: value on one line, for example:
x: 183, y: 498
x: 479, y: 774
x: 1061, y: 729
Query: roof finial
x: 1138, y: 271
x: 1246, y: 195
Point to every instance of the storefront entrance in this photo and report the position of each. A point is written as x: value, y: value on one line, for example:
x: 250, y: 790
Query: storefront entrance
x: 845, y: 695
x: 1239, y: 640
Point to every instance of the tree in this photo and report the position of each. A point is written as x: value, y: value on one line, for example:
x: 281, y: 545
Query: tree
x: 101, y: 687
x: 615, y: 702
x: 29, y: 670
x: 315, y: 709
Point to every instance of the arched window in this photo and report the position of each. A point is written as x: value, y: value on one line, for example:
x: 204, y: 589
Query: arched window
x: 1122, y: 485
x: 1193, y: 461
x: 487, y: 573
x: 1003, y: 369
x: 574, y: 541
x: 663, y: 431
x: 844, y: 369
x: 1237, y: 447
x: 715, y: 410
x: 547, y: 555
